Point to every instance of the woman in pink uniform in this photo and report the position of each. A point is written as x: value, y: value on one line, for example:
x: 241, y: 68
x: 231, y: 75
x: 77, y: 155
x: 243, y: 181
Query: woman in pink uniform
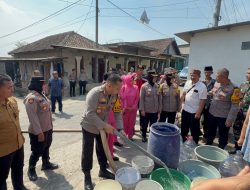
x: 130, y: 97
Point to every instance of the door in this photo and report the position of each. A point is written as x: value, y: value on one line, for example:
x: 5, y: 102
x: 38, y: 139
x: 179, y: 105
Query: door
x: 101, y: 69
x: 131, y: 64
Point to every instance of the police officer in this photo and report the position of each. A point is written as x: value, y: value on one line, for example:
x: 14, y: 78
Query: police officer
x: 169, y: 99
x: 99, y: 101
x: 223, y: 109
x: 40, y: 129
x: 149, y: 103
x: 244, y: 105
x: 209, y: 82
x: 11, y: 138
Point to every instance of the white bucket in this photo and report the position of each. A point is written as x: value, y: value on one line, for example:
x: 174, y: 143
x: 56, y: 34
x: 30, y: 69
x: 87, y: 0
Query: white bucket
x: 144, y: 164
x: 128, y: 177
x: 148, y: 185
x: 108, y: 185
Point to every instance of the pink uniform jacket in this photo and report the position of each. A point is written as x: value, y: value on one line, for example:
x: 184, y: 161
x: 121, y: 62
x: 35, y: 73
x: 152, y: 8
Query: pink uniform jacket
x: 130, y: 97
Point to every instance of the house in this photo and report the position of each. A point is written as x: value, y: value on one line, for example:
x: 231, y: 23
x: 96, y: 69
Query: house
x: 223, y: 46
x: 69, y: 50
x: 161, y: 53
x: 184, y: 50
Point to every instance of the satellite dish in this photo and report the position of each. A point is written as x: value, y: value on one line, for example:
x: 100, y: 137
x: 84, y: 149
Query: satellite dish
x: 144, y: 18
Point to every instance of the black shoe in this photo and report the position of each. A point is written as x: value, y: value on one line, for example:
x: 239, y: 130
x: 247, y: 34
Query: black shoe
x: 88, y: 185
x: 106, y: 174
x: 116, y: 159
x: 144, y: 139
x: 118, y: 144
x: 49, y: 166
x: 233, y: 151
x: 32, y: 173
x: 24, y: 188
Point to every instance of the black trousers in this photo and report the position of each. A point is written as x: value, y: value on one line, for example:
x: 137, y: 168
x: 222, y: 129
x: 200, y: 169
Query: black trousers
x: 149, y: 118
x: 214, y: 123
x: 205, y: 122
x: 53, y: 103
x: 167, y: 115
x: 82, y: 87
x: 188, y: 122
x: 72, y: 86
x: 13, y: 161
x: 237, y: 127
x: 40, y: 149
x: 87, y: 151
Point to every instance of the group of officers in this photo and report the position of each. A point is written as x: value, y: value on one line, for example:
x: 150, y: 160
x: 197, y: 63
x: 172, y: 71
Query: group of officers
x: 222, y: 104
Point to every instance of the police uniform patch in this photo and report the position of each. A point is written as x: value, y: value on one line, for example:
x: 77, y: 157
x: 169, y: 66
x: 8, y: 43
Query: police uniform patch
x: 118, y: 106
x: 31, y: 100
x: 235, y: 98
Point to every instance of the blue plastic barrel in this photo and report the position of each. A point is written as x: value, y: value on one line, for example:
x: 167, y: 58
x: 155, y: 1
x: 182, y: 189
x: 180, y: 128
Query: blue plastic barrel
x: 164, y: 143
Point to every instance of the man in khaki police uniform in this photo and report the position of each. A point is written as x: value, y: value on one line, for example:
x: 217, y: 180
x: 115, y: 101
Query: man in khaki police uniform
x: 99, y: 101
x: 11, y: 138
x: 223, y: 109
x: 40, y: 129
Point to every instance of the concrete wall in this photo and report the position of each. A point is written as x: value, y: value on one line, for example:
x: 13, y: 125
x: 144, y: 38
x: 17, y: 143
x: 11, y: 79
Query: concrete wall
x: 222, y: 48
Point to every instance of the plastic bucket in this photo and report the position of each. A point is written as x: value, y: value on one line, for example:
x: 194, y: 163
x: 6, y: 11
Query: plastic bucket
x: 148, y: 185
x: 211, y: 155
x: 128, y: 177
x: 143, y: 164
x: 108, y: 184
x: 161, y: 176
x: 197, y: 168
x: 164, y: 143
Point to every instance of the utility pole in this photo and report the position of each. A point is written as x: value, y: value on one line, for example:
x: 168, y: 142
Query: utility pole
x: 96, y: 74
x: 217, y: 16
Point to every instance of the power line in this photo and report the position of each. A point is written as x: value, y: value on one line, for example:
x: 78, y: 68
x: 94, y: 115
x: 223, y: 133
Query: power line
x: 141, y: 7
x: 41, y: 20
x: 136, y: 19
x: 244, y: 6
x: 234, y: 11
x: 202, y: 13
x: 86, y: 16
x: 226, y: 11
x: 54, y: 28
x: 152, y: 17
x: 238, y: 10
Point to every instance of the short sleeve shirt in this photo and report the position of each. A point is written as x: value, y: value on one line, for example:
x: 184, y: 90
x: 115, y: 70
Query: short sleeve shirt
x: 192, y: 100
x: 56, y: 87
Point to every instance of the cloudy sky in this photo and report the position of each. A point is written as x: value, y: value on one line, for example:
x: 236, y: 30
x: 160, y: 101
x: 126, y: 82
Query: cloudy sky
x: 167, y: 17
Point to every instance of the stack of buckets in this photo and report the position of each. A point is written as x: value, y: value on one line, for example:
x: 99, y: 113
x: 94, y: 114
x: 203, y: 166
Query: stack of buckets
x: 164, y: 143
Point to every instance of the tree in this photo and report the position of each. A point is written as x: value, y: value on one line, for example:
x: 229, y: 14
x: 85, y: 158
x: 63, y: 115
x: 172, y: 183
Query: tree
x: 21, y: 44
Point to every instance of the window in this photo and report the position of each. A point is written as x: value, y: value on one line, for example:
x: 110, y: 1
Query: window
x: 245, y: 46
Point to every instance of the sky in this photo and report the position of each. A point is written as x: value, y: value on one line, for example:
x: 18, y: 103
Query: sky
x: 167, y: 17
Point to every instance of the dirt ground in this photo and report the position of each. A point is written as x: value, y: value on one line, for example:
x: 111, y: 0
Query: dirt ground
x: 66, y: 150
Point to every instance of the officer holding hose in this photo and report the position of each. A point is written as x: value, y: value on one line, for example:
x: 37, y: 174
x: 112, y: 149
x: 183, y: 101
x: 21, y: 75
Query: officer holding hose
x: 99, y: 101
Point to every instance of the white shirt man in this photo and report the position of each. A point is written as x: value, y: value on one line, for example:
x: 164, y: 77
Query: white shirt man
x: 194, y: 97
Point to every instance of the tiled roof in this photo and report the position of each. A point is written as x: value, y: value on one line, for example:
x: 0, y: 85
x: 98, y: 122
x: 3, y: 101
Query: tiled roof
x: 160, y: 45
x: 69, y: 39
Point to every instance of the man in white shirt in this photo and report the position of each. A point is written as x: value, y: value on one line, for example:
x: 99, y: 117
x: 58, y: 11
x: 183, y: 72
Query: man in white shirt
x: 194, y: 98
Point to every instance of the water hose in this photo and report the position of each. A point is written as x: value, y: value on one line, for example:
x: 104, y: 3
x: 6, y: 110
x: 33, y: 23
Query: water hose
x: 125, y: 139
x: 107, y: 151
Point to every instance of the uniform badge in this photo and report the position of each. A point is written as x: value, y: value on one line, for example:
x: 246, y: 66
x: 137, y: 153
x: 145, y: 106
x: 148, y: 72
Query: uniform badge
x: 118, y: 106
x: 44, y: 108
x: 31, y: 100
x: 235, y: 98
x: 103, y: 100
